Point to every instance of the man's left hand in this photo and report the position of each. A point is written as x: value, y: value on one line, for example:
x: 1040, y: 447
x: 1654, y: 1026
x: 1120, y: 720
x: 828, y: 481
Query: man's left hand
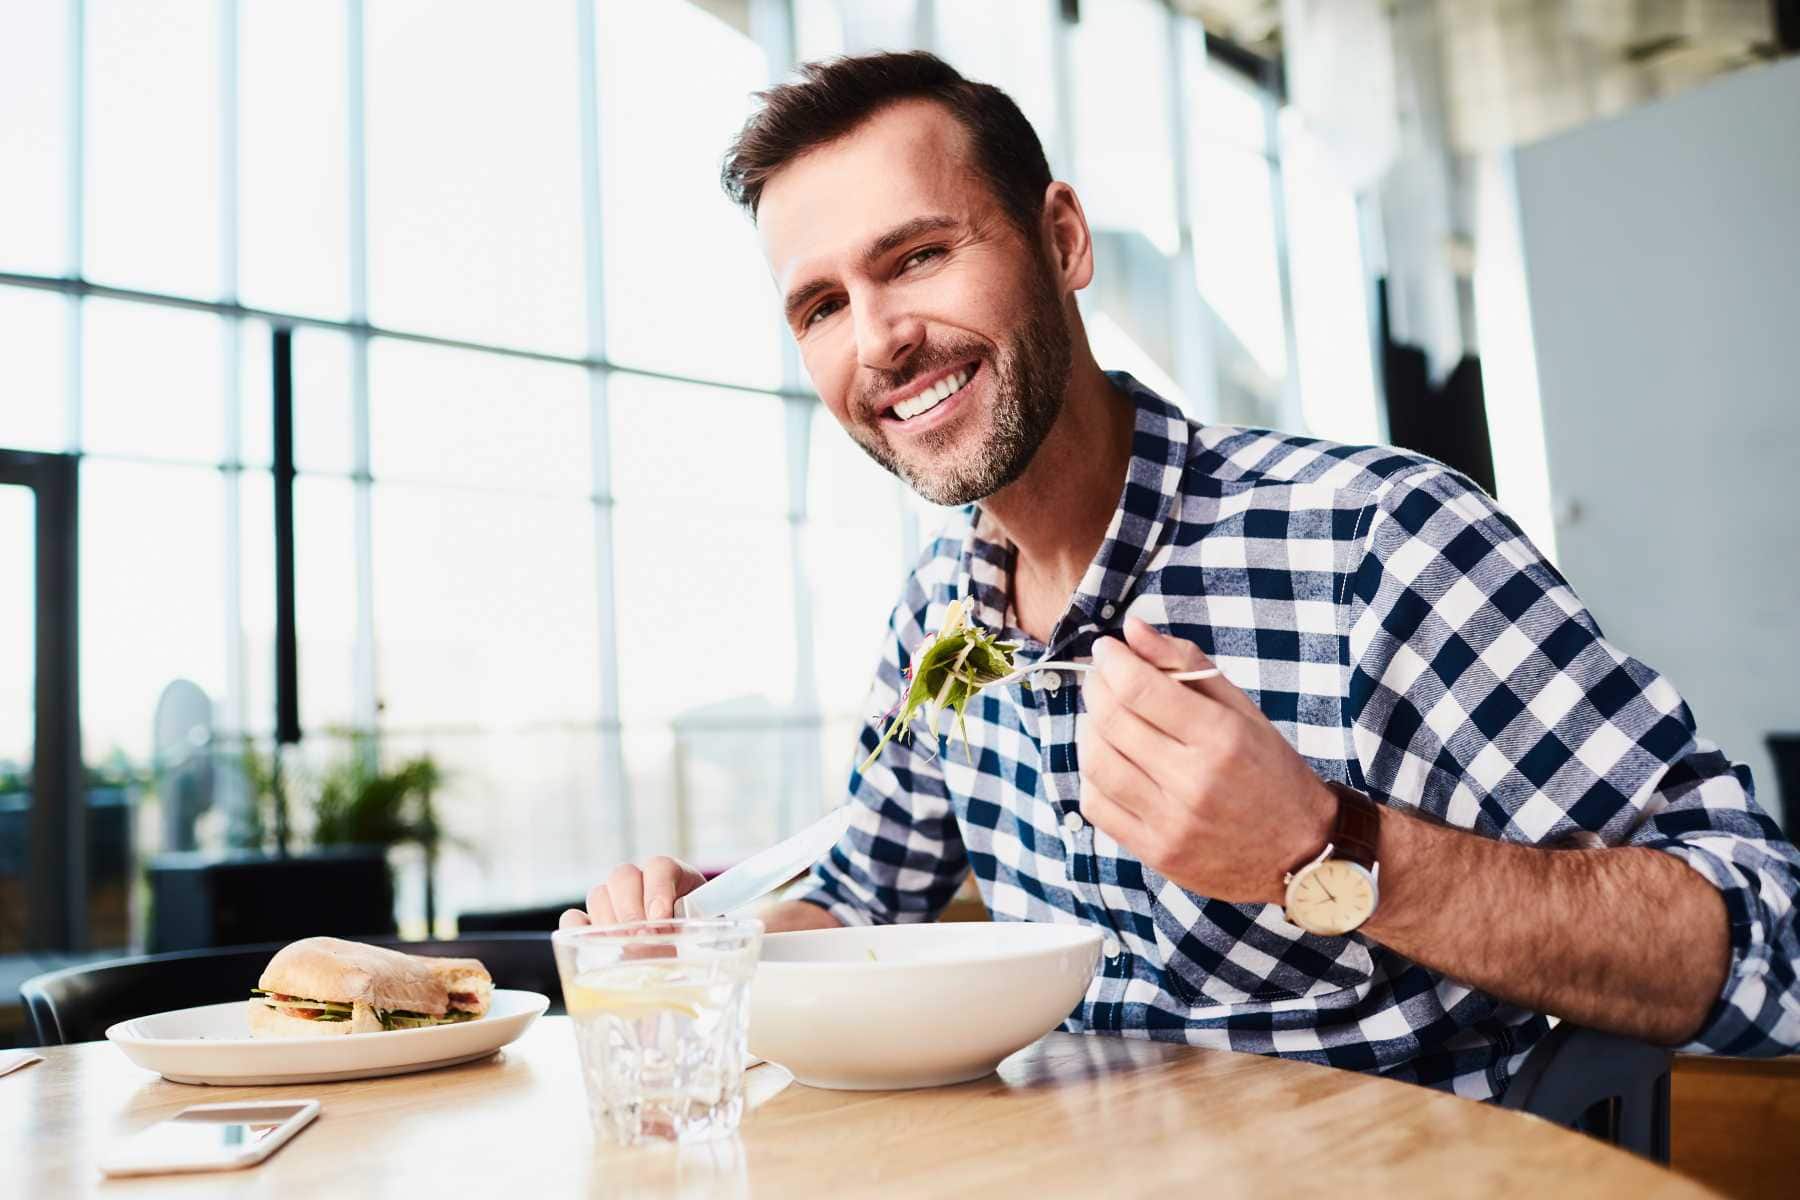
x: 1191, y: 777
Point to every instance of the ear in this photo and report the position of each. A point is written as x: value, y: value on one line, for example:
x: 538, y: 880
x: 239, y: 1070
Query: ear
x: 1068, y: 243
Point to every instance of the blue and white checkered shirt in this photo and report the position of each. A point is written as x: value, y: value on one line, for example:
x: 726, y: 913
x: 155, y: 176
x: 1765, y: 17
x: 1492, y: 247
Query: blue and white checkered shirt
x: 1409, y: 641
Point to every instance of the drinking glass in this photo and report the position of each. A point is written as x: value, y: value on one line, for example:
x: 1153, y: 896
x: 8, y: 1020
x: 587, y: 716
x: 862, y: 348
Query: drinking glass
x: 660, y: 1011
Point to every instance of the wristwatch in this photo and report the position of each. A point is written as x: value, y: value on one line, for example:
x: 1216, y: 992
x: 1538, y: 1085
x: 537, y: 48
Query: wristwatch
x: 1338, y: 890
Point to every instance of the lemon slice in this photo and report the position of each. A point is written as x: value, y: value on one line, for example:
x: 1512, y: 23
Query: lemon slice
x: 632, y: 992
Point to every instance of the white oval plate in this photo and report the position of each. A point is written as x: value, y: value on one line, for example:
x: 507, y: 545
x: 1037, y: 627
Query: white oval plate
x: 212, y: 1044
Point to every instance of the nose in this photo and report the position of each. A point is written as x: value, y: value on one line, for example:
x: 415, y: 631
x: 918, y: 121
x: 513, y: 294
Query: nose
x: 886, y: 334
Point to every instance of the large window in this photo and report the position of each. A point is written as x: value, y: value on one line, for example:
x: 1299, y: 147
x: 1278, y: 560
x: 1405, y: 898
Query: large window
x: 154, y: 113
x: 566, y: 517
x: 473, y: 129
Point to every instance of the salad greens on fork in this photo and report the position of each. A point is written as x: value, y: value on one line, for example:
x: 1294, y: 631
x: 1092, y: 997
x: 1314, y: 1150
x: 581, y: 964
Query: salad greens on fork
x: 961, y: 660
x: 956, y: 664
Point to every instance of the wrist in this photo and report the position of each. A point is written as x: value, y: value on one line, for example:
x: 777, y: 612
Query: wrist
x: 1312, y: 832
x: 1401, y: 853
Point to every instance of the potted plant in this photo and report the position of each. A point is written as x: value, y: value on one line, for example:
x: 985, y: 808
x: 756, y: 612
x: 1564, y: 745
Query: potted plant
x: 108, y: 792
x: 342, y: 885
x: 360, y: 804
x: 15, y: 819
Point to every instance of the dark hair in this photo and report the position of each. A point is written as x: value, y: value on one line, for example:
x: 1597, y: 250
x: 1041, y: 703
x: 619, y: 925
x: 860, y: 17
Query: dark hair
x: 834, y: 96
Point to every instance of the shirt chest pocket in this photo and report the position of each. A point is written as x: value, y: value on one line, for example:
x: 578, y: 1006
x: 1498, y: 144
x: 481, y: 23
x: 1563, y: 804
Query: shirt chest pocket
x: 1218, y: 953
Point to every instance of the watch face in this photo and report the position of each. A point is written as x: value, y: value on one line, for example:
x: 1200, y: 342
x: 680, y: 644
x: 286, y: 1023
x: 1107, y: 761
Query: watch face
x: 1332, y: 897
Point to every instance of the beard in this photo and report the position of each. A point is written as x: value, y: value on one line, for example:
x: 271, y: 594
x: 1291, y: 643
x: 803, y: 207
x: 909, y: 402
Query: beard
x: 1030, y: 372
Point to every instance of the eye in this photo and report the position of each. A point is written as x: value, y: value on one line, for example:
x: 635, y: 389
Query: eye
x: 821, y: 312
x: 923, y: 255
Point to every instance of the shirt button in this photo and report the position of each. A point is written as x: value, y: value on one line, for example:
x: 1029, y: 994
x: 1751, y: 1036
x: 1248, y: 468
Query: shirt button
x: 1110, y: 947
x: 1072, y: 822
x: 1047, y: 681
x: 1107, y: 610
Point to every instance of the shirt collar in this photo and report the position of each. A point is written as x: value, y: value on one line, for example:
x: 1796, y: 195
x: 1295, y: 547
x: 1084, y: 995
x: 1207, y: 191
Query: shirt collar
x: 1159, y: 449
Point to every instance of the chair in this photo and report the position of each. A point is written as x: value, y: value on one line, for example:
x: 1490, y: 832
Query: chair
x: 535, y: 919
x: 1611, y: 1087
x: 79, y: 1003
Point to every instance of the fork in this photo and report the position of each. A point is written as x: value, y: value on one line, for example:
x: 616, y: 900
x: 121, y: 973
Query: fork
x: 1034, y: 668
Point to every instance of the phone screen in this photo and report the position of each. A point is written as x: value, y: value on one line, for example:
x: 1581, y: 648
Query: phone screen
x: 213, y: 1136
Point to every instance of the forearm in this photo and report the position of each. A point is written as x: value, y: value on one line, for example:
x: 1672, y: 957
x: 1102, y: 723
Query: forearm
x: 1627, y: 940
x: 786, y: 916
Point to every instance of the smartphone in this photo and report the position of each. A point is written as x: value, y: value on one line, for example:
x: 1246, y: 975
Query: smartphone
x: 210, y: 1137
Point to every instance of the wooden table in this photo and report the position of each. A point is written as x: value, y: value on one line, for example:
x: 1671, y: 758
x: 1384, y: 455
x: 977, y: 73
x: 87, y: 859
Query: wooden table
x: 1070, y: 1115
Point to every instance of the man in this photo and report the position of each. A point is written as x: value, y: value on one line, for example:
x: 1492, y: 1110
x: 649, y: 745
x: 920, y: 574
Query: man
x: 1490, y: 813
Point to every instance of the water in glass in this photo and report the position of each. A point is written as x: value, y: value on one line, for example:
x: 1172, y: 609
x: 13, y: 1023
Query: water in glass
x: 659, y: 1014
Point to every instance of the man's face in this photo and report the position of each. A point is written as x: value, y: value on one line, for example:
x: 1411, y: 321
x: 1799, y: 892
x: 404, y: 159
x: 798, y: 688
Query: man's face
x: 932, y: 327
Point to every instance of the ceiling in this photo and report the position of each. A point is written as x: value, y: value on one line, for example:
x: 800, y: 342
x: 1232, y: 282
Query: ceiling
x: 1518, y: 70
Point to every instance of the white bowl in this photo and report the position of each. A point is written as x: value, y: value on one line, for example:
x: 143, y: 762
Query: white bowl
x: 936, y: 1004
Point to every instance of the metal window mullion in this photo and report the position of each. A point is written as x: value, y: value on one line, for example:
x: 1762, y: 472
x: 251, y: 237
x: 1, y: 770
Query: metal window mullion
x: 56, y: 836
x: 800, y: 777
x: 236, y: 801
x: 56, y: 915
x: 1192, y: 345
x: 300, y: 320
x: 1293, y: 413
x: 231, y: 477
x: 1063, y: 85
x: 772, y: 25
x: 363, y: 699
x: 54, y: 893
x: 1371, y: 245
x: 614, y: 781
x: 228, y: 150
x: 356, y: 168
x: 231, y: 474
x: 772, y: 28
x: 75, y: 236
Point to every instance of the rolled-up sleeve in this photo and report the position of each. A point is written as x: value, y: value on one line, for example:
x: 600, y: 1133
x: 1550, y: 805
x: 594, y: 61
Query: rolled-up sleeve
x: 902, y: 857
x: 1705, y: 816
x: 1483, y: 692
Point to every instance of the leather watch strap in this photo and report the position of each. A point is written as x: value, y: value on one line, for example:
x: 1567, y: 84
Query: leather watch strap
x: 1357, y: 833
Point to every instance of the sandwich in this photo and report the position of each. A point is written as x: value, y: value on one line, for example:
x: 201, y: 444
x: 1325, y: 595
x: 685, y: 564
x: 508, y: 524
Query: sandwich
x: 322, y: 986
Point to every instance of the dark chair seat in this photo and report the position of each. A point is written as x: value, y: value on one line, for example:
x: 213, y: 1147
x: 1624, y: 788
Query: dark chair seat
x: 537, y: 918
x: 78, y: 1004
x: 1614, y: 1088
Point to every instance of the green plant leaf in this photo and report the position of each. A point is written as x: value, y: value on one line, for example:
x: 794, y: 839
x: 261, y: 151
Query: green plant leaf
x: 948, y: 673
x: 358, y: 803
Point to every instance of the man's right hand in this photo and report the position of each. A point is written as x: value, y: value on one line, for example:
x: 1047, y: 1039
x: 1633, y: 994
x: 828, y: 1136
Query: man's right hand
x: 636, y: 893
x: 648, y: 893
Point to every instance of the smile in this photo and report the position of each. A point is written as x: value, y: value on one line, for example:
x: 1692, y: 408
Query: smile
x: 934, y: 395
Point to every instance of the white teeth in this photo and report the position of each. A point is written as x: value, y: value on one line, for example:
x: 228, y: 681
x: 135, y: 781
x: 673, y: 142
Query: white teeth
x: 931, y: 397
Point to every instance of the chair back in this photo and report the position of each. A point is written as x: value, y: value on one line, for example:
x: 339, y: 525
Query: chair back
x: 1614, y: 1088
x: 79, y: 1004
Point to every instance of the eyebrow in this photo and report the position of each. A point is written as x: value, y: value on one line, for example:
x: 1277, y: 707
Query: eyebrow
x: 898, y: 236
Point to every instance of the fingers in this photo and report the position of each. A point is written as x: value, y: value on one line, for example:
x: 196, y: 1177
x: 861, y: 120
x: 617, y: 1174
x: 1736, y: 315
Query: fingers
x: 1119, y: 822
x: 1114, y: 774
x: 633, y: 893
x: 665, y: 881
x: 599, y: 906
x: 625, y: 888
x: 1168, y: 653
x: 1168, y: 706
x: 1162, y: 758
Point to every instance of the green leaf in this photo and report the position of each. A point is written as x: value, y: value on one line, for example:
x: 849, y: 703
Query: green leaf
x: 949, y: 672
x: 303, y: 1002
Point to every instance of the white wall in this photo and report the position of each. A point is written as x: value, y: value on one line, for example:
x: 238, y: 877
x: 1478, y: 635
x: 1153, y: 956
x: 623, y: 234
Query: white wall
x: 1662, y: 263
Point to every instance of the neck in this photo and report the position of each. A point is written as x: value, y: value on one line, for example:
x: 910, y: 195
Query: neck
x: 1056, y: 513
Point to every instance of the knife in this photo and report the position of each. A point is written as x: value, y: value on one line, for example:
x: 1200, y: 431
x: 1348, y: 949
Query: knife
x: 765, y: 870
